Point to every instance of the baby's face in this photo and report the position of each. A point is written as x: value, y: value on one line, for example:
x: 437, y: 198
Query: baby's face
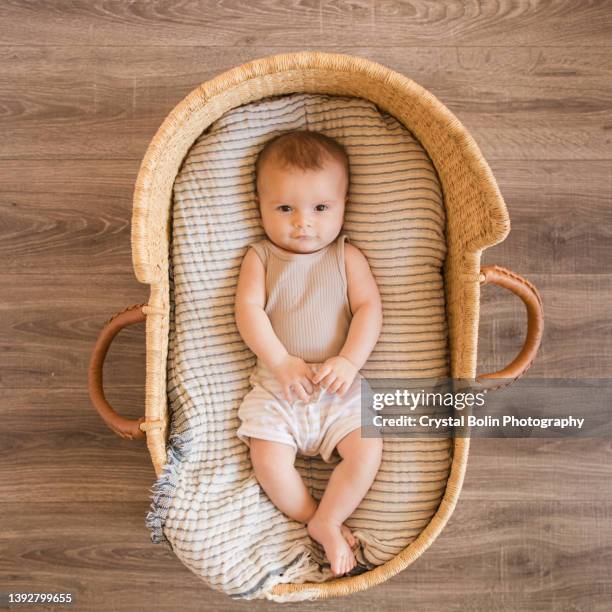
x: 302, y: 211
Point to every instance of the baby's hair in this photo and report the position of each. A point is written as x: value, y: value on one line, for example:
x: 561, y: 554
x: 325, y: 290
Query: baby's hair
x: 302, y: 149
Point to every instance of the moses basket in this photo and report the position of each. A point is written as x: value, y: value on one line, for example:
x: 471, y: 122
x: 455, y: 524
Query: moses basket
x: 475, y: 219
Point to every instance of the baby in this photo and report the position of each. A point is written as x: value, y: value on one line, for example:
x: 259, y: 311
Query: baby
x: 308, y: 306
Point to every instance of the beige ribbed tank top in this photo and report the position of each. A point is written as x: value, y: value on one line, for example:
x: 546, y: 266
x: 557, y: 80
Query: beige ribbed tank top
x: 306, y: 298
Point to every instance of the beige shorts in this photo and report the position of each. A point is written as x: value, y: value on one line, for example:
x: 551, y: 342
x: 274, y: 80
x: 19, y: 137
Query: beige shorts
x: 311, y: 428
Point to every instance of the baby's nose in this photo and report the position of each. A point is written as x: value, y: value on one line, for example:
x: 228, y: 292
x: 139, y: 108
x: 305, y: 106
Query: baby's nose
x: 302, y: 221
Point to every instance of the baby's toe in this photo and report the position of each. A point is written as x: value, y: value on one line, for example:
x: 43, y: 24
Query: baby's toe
x: 338, y: 567
x: 349, y: 565
x: 348, y: 536
x: 349, y: 562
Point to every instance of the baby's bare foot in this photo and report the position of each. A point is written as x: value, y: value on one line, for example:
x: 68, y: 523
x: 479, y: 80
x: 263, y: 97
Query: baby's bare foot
x: 337, y: 549
x: 348, y: 535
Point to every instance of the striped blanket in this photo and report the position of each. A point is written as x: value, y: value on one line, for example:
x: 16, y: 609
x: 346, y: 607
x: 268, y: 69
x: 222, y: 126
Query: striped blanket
x: 207, y: 505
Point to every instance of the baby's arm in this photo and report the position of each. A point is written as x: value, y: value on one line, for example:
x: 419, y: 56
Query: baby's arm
x: 366, y: 307
x: 256, y: 330
x: 251, y: 319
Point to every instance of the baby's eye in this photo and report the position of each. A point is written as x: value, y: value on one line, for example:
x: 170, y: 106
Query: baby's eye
x: 284, y: 207
x: 321, y: 207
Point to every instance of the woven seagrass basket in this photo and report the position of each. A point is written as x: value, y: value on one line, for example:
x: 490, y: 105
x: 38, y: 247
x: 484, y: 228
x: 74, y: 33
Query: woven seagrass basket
x: 476, y: 219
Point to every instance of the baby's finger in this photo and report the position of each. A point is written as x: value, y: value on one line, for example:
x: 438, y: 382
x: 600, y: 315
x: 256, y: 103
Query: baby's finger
x: 287, y: 393
x: 323, y: 371
x: 312, y: 377
x: 328, y: 380
x: 302, y: 392
x: 307, y: 385
x: 343, y: 389
x: 335, y: 386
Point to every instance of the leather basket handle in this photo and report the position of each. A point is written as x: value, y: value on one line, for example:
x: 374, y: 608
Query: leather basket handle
x: 122, y: 426
x: 535, y: 321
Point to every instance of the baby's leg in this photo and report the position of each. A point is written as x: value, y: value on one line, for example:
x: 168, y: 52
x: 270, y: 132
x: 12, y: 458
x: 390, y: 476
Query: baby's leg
x: 275, y: 471
x: 347, y: 486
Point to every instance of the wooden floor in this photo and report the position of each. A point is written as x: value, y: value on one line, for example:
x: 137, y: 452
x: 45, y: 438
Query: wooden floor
x: 84, y: 85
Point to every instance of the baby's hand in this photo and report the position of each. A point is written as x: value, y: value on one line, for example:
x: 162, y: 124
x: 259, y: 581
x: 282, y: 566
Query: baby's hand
x: 294, y: 375
x: 336, y: 374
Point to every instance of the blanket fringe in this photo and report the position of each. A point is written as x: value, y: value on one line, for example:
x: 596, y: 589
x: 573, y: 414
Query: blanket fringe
x: 307, y: 569
x: 163, y: 489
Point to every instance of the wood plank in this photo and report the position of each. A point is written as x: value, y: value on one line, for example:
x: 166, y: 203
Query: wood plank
x: 560, y: 215
x: 65, y: 102
x: 577, y: 328
x: 48, y: 335
x: 67, y: 216
x: 324, y: 25
x: 62, y: 215
x: 55, y: 447
x: 51, y: 323
x: 552, y: 470
x: 491, y: 555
